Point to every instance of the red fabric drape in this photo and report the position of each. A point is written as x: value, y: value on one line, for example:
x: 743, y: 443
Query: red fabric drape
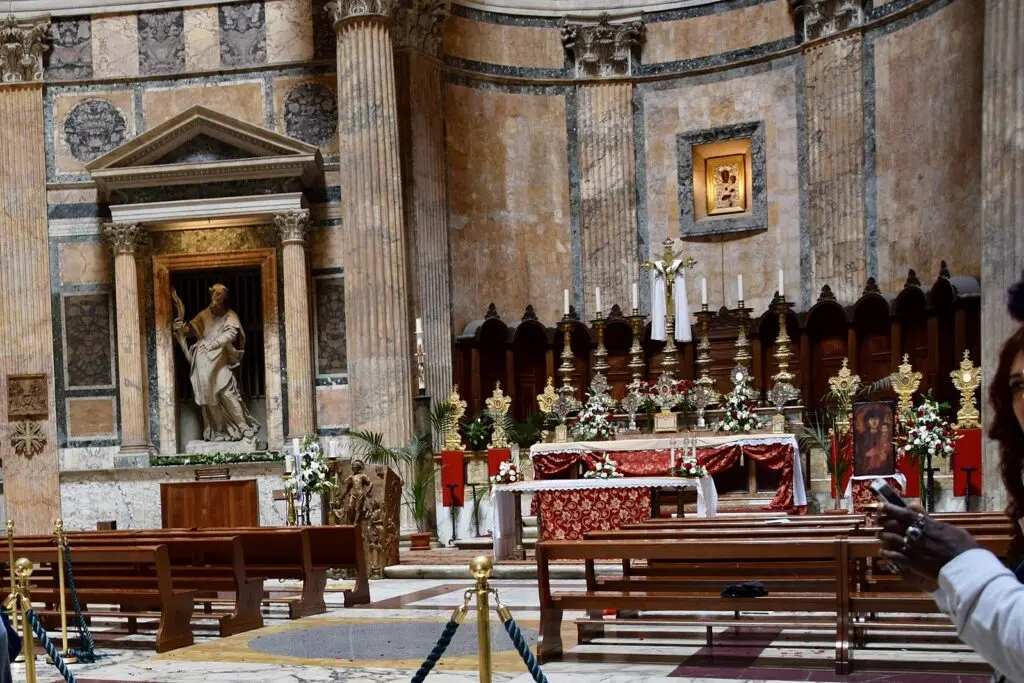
x: 496, y: 456
x: 909, y: 469
x: 773, y: 456
x: 863, y: 499
x: 453, y: 472
x: 843, y: 446
x: 568, y: 515
x: 550, y: 465
x: 967, y: 454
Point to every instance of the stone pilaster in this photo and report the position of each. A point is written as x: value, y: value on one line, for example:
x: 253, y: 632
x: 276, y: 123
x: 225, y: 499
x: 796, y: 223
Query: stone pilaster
x: 31, y: 482
x: 293, y: 229
x: 376, y: 306
x: 126, y: 240
x: 417, y: 38
x: 1002, y: 182
x: 835, y: 126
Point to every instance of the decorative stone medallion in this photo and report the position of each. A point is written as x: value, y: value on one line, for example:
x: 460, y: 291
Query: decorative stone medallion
x: 26, y: 397
x: 311, y: 113
x: 27, y: 438
x: 93, y: 128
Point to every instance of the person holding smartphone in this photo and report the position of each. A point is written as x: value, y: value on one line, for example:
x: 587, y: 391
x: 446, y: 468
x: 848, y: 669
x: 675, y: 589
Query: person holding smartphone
x: 984, y: 599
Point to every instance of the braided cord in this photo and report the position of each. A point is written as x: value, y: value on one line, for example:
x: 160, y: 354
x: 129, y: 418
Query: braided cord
x: 51, y: 649
x: 87, y: 653
x: 442, y: 644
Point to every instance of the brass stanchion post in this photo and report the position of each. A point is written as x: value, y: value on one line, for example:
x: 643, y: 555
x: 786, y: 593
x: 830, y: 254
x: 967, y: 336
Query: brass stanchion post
x: 481, y: 569
x: 23, y: 572
x: 10, y: 567
x: 58, y: 532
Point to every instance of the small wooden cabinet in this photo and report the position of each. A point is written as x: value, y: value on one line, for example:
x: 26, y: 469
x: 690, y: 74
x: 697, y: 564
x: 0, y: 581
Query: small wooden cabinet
x: 210, y: 504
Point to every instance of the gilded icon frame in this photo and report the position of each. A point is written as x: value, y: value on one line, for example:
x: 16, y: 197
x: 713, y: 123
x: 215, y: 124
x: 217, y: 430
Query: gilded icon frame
x: 711, y: 168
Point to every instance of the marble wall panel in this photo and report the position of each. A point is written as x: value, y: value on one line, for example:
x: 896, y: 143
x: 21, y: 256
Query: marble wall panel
x: 325, y: 40
x: 739, y: 96
x: 712, y: 34
x: 522, y: 46
x: 91, y: 418
x: 307, y: 109
x: 83, y: 263
x: 329, y: 312
x: 290, y: 30
x: 87, y: 126
x: 328, y: 248
x: 88, y: 338
x: 71, y: 50
x: 115, y: 45
x: 71, y: 196
x: 243, y: 100
x: 161, y: 42
x: 509, y: 200
x: 202, y: 38
x: 333, y: 407
x: 928, y: 138
x: 243, y: 34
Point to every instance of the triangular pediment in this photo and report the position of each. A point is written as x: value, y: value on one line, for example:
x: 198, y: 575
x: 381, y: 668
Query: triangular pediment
x: 200, y: 145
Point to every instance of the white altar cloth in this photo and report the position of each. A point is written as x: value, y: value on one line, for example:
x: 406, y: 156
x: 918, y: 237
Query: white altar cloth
x: 504, y: 500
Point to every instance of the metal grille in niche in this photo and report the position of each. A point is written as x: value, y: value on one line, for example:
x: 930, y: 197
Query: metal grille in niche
x: 245, y: 297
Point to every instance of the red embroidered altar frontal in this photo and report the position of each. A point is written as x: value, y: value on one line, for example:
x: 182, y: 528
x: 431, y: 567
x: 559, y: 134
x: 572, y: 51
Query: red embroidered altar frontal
x: 568, y: 515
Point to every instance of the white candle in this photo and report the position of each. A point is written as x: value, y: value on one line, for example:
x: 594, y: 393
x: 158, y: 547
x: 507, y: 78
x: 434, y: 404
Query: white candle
x: 597, y: 297
x: 782, y: 288
x: 565, y: 301
x: 419, y: 325
x: 739, y: 287
x: 636, y: 295
x: 704, y: 291
x: 289, y: 463
x: 295, y: 446
x: 334, y: 450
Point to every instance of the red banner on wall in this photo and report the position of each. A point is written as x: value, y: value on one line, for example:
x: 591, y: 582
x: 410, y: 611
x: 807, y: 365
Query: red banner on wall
x: 453, y: 478
x: 967, y: 454
x: 496, y: 456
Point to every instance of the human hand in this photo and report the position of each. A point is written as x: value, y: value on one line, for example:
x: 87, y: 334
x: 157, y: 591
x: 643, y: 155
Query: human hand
x: 913, y: 540
x: 178, y: 325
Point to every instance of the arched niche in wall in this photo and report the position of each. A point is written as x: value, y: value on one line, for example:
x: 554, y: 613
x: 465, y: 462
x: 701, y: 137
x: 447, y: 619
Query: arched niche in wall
x: 530, y: 363
x: 942, y: 299
x: 484, y: 341
x: 910, y: 331
x: 827, y: 339
x: 872, y: 356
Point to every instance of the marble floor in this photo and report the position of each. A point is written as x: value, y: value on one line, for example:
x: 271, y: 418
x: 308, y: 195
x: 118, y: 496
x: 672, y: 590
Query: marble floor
x: 387, y: 640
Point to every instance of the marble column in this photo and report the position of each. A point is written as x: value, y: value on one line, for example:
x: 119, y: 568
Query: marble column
x: 835, y: 128
x: 417, y: 38
x: 607, y: 157
x: 126, y: 240
x: 293, y: 229
x: 32, y: 478
x: 376, y: 306
x: 1002, y: 182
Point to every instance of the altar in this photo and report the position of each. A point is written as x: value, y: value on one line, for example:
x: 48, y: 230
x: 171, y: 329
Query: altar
x: 653, y: 457
x: 569, y: 508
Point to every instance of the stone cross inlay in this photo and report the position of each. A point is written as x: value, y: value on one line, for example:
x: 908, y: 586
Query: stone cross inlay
x: 823, y: 18
x: 22, y: 46
x: 603, y: 49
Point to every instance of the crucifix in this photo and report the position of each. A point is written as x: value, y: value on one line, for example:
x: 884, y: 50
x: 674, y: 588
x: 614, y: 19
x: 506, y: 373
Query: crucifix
x: 670, y: 301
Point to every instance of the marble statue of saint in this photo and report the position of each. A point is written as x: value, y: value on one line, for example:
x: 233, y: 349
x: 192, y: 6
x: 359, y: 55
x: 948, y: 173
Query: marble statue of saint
x: 213, y: 358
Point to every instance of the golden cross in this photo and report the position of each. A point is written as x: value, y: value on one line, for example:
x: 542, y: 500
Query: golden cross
x: 666, y: 266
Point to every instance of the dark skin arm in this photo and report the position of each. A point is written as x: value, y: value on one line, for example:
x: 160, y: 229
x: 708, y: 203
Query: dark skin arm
x: 926, y: 557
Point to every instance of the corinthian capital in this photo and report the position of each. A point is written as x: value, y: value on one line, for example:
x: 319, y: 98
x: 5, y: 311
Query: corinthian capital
x: 293, y: 227
x: 342, y: 10
x: 125, y: 238
x: 823, y: 18
x: 419, y: 24
x: 22, y: 45
x: 603, y: 49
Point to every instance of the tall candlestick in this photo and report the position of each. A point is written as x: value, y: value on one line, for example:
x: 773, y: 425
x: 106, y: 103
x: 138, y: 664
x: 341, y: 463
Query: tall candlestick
x: 636, y: 295
x: 565, y: 301
x: 739, y: 288
x: 782, y: 288
x: 704, y: 291
x: 597, y: 297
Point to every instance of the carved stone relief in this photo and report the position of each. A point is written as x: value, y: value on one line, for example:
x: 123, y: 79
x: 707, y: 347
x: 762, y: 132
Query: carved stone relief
x: 311, y: 113
x: 22, y: 46
x: 71, y: 56
x: 161, y: 42
x: 347, y: 9
x: 93, y: 128
x: 28, y: 438
x: 243, y: 34
x: 822, y: 18
x: 603, y: 49
x: 27, y: 397
x: 419, y: 23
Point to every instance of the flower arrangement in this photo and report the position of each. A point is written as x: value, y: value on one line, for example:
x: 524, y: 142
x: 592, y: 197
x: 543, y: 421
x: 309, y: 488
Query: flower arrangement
x: 314, y: 472
x: 667, y: 393
x: 606, y: 469
x: 739, y: 414
x: 925, y: 433
x: 689, y: 468
x: 508, y: 473
x: 592, y: 425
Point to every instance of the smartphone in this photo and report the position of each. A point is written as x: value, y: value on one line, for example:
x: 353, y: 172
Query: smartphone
x: 886, y: 493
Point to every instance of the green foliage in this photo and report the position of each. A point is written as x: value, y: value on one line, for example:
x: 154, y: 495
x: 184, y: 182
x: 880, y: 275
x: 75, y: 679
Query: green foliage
x: 820, y: 433
x: 216, y: 459
x: 371, y: 449
x: 478, y: 432
x: 527, y: 432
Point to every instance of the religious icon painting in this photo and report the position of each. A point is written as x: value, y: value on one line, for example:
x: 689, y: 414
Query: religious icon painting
x: 874, y: 452
x: 726, y: 184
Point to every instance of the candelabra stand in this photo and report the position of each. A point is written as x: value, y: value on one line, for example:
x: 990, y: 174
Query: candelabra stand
x: 668, y: 359
x: 742, y: 356
x: 782, y: 391
x: 421, y: 378
x: 636, y: 352
x: 291, y: 519
x: 600, y: 353
x: 566, y: 368
x: 704, y: 317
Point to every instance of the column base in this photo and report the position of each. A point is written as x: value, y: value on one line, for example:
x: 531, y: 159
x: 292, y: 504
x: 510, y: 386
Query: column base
x: 133, y: 456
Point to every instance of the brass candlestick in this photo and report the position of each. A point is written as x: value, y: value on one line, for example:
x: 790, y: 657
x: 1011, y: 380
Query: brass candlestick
x: 742, y: 356
x: 421, y: 377
x: 566, y: 368
x: 704, y: 317
x: 636, y: 352
x: 600, y: 353
x: 668, y: 359
x: 782, y: 352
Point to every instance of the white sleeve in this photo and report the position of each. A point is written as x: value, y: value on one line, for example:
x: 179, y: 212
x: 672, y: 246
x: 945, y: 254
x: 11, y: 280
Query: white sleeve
x: 939, y: 596
x: 986, y: 603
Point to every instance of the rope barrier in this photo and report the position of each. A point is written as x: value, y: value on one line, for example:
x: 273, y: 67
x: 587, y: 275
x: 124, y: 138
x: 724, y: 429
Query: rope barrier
x: 51, y: 649
x: 87, y: 652
x: 442, y: 643
x: 519, y: 642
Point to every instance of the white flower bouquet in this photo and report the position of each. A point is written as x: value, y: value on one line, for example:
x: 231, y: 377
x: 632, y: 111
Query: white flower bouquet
x: 689, y: 468
x: 606, y: 469
x: 508, y: 473
x: 739, y: 417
